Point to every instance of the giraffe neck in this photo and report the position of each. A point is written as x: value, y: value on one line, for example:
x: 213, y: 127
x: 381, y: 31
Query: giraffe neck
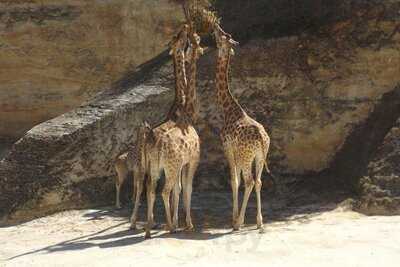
x: 230, y: 106
x: 140, y: 146
x: 180, y: 85
x: 192, y: 108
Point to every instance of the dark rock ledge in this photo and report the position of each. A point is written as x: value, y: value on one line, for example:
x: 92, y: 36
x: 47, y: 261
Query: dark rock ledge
x: 66, y: 162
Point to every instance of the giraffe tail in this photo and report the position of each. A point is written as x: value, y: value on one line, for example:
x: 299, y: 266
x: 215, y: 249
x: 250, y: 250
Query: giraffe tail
x: 272, y: 181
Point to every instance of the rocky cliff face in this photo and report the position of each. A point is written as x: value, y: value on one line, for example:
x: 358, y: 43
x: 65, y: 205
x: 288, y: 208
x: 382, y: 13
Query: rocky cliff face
x: 315, y: 92
x: 55, y: 54
x: 380, y: 186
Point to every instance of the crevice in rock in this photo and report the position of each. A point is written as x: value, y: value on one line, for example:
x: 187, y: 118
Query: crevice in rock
x: 351, y: 161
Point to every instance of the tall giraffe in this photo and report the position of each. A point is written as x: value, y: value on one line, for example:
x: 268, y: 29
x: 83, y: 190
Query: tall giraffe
x: 173, y: 149
x: 193, y: 53
x: 244, y: 140
x: 192, y: 111
x: 177, y: 46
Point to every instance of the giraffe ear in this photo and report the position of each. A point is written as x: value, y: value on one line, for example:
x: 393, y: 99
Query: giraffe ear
x: 171, y: 52
x: 201, y: 51
x: 145, y: 124
x: 231, y: 51
x: 233, y: 42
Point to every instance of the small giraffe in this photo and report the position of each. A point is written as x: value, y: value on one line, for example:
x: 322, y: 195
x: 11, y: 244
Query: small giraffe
x: 132, y: 160
x: 244, y: 140
x: 171, y: 148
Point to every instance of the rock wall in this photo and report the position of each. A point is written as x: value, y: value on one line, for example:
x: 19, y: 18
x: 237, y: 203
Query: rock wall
x: 67, y: 162
x: 311, y: 91
x: 55, y: 54
x: 380, y: 187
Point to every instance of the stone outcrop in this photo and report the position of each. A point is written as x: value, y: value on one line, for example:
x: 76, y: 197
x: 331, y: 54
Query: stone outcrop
x: 311, y: 90
x: 380, y: 187
x: 67, y: 162
x: 56, y: 54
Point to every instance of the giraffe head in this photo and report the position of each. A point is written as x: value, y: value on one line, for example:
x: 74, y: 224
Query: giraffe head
x: 179, y: 41
x: 224, y: 41
x: 194, y: 46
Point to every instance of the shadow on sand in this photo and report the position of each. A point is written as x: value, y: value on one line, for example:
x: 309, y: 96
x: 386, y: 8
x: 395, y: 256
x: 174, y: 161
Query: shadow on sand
x: 211, y: 210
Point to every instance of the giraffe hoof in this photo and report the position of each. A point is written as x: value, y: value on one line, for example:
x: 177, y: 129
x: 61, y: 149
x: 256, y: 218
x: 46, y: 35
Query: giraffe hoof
x: 261, y: 229
x: 147, y: 235
x: 236, y: 227
x: 133, y: 226
x: 118, y: 207
x: 170, y: 228
x: 189, y: 228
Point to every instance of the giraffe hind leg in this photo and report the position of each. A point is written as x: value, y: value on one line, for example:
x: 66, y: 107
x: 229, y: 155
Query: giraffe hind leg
x: 258, y: 185
x: 187, y: 193
x: 122, y: 173
x: 139, y: 178
x: 249, y: 184
x: 171, y: 177
x: 235, y: 183
x: 151, y: 196
x: 151, y: 192
x: 175, y: 203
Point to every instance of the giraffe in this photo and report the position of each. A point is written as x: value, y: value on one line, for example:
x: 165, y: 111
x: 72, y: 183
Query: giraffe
x: 193, y: 53
x: 192, y: 111
x: 244, y: 140
x: 132, y: 160
x: 171, y: 148
x: 177, y: 46
x: 126, y: 161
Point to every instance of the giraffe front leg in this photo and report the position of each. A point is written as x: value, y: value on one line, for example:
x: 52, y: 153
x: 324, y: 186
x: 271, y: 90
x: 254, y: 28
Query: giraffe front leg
x: 176, y: 192
x: 151, y: 196
x: 235, y: 194
x: 117, y: 196
x: 139, y: 188
x: 122, y: 172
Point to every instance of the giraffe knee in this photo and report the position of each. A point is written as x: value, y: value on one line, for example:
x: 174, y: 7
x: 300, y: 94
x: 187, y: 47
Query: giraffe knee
x: 249, y: 183
x: 234, y: 182
x: 178, y: 185
x: 258, y: 184
x: 166, y: 192
x: 151, y: 192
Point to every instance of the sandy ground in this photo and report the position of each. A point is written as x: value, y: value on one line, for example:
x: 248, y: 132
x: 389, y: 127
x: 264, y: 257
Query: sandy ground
x: 334, y: 237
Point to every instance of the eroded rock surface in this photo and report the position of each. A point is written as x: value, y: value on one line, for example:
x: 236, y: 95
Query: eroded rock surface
x: 55, y: 54
x: 381, y: 186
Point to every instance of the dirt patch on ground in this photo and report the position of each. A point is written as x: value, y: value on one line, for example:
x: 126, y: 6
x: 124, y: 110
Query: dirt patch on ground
x: 307, y: 235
